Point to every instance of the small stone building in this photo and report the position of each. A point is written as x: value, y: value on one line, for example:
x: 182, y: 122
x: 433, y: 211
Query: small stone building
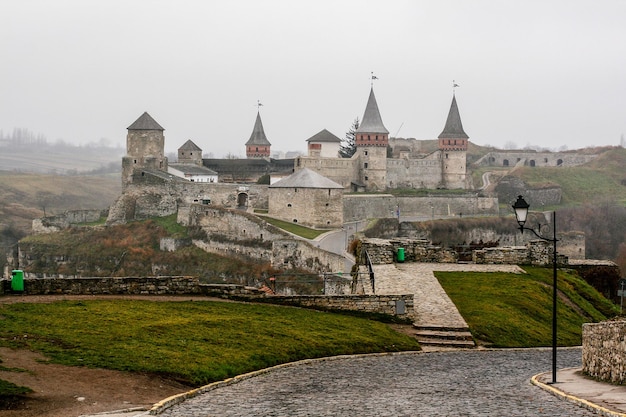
x: 307, y: 198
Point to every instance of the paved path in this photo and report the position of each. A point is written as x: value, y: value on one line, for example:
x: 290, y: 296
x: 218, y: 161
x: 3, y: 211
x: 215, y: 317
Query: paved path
x: 467, y: 383
x: 433, y: 307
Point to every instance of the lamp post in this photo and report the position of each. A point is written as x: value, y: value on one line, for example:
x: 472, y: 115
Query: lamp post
x: 521, y: 212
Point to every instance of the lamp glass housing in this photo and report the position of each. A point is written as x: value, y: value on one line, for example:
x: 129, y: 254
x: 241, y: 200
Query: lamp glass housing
x: 521, y: 210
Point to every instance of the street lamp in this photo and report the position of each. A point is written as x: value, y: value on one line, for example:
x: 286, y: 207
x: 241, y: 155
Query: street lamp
x: 521, y: 212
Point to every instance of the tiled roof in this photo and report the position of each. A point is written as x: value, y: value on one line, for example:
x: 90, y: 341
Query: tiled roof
x: 193, y: 169
x: 372, y: 122
x: 189, y: 146
x: 323, y: 136
x: 454, y: 127
x: 258, y: 134
x: 306, y: 178
x: 145, y: 122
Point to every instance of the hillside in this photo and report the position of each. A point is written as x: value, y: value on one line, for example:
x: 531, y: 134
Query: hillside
x: 61, y: 158
x: 28, y: 196
x: 599, y: 181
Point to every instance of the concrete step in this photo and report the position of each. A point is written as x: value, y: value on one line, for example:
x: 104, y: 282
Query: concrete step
x: 436, y: 334
x: 457, y: 337
x: 464, y: 344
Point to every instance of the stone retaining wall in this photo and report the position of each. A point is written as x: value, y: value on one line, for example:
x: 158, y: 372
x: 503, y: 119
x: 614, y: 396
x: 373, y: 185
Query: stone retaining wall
x: 604, y: 351
x: 396, y: 305
x: 536, y: 252
x: 383, y: 251
x: 109, y: 286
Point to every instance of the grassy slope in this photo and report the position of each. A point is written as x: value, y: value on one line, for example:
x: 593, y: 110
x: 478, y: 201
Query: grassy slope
x: 25, y: 195
x: 295, y: 229
x: 131, y: 250
x: 195, y: 342
x: 597, y: 181
x: 513, y: 310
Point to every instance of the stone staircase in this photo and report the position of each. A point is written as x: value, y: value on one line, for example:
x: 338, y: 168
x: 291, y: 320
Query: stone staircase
x: 438, y: 323
x: 444, y: 337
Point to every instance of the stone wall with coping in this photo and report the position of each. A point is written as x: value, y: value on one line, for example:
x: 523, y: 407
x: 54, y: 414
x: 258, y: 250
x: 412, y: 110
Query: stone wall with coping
x: 382, y: 251
x: 385, y: 251
x: 604, y: 351
x: 536, y: 252
x: 397, y: 305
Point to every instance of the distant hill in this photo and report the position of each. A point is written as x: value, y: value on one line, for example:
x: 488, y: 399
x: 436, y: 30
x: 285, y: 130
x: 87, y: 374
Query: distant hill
x: 600, y: 181
x: 59, y: 158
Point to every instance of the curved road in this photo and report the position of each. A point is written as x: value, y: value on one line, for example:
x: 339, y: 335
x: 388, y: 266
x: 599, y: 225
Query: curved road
x: 459, y: 383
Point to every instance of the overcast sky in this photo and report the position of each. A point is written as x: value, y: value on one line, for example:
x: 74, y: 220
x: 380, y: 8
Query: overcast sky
x: 542, y: 73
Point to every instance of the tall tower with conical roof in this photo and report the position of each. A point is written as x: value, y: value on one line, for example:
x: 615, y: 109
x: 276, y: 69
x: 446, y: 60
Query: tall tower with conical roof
x: 453, y: 143
x: 145, y: 148
x: 371, y: 140
x: 258, y: 146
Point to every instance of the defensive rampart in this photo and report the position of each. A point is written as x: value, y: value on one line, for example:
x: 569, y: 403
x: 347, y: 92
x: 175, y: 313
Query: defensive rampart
x: 376, y: 206
x: 58, y: 222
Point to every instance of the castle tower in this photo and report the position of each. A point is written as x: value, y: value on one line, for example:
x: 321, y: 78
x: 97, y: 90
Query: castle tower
x: 190, y: 153
x: 453, y: 143
x: 258, y: 146
x: 145, y: 148
x: 371, y: 140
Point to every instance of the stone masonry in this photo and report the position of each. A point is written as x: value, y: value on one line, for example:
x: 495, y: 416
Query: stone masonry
x: 604, y: 351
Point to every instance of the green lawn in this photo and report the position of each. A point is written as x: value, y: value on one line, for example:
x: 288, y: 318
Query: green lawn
x: 196, y: 342
x: 296, y: 229
x: 515, y: 310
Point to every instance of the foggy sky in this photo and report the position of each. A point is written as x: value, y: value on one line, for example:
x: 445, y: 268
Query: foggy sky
x: 539, y: 73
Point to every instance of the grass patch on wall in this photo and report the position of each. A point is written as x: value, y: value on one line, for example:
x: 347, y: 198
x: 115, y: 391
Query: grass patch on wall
x: 515, y: 310
x: 295, y: 229
x: 194, y: 342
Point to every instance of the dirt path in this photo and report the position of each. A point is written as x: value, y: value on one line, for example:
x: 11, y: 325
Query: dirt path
x: 68, y: 391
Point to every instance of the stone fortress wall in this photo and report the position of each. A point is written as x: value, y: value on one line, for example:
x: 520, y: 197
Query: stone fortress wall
x: 531, y: 158
x: 377, y: 206
x: 62, y: 221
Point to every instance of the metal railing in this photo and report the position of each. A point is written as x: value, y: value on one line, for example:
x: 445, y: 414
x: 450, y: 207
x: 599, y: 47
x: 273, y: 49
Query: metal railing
x: 370, y: 268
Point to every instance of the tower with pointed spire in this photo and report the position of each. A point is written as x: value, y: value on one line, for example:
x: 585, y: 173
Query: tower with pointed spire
x: 258, y: 146
x: 453, y: 143
x: 372, y: 140
x: 145, y: 148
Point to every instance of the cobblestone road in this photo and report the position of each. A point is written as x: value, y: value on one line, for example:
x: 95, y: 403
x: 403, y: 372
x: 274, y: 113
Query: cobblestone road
x: 460, y: 383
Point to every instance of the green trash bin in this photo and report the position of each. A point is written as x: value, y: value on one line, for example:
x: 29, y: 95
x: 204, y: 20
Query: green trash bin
x: 400, y: 255
x: 17, y: 280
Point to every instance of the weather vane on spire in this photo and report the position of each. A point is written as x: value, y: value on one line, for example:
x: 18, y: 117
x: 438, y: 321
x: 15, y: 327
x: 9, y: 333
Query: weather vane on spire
x: 373, y: 78
x: 454, y: 86
x: 258, y: 105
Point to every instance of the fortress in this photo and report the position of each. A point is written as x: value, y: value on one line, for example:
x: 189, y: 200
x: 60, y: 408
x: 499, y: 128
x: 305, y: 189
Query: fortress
x: 373, y: 167
x: 310, y: 189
